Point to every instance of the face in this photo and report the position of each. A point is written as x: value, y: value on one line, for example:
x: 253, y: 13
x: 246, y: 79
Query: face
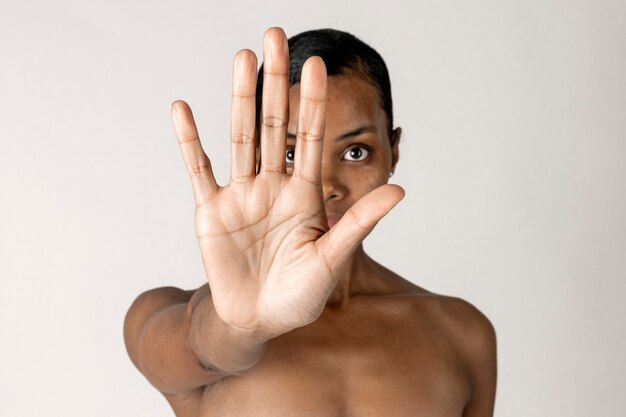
x: 358, y: 154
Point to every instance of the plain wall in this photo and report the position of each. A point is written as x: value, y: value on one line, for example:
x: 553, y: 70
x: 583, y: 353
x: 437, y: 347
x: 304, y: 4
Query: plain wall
x: 513, y: 158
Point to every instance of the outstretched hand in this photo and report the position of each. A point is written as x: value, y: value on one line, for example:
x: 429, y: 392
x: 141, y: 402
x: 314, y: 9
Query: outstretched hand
x: 270, y: 258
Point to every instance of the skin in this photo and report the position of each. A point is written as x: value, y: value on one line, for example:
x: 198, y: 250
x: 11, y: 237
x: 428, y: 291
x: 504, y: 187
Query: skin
x: 296, y: 319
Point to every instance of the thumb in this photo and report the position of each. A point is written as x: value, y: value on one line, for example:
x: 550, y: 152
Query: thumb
x: 345, y: 236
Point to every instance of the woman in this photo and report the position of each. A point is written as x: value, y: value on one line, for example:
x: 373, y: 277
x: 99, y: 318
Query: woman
x: 296, y: 320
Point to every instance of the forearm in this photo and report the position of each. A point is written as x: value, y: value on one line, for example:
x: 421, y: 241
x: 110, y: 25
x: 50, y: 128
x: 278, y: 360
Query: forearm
x: 176, y: 356
x: 219, y: 347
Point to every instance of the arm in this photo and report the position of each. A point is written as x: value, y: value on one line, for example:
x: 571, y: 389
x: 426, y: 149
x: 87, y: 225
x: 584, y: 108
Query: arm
x: 481, y: 354
x: 171, y: 336
x: 270, y: 259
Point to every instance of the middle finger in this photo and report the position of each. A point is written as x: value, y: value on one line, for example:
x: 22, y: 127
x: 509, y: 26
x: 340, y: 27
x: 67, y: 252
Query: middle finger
x: 275, y: 103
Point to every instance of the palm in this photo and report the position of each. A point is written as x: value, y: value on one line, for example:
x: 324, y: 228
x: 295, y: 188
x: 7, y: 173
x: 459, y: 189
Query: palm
x: 270, y: 260
x: 264, y: 245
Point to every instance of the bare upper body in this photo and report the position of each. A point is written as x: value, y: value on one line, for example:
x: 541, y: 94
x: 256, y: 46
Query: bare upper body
x: 396, y: 351
x: 298, y: 320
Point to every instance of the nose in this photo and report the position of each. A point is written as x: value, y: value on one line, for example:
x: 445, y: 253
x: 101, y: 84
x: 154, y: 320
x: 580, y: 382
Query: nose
x: 333, y: 188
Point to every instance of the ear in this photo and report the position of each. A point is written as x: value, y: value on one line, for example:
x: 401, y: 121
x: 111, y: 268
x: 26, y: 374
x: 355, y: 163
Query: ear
x: 395, y: 152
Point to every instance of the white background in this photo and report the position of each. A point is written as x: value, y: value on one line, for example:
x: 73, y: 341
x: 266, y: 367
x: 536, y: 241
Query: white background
x: 513, y: 159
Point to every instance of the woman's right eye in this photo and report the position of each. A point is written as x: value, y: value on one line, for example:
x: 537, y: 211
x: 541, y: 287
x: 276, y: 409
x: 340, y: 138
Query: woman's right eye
x: 290, y: 155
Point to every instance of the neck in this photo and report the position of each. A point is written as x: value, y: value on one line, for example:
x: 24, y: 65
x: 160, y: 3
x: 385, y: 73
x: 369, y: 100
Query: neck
x: 359, y: 276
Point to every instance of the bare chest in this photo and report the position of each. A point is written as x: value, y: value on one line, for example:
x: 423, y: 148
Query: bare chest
x: 345, y: 368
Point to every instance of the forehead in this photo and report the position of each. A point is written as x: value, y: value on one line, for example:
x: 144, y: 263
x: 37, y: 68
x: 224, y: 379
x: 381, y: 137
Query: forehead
x: 352, y: 103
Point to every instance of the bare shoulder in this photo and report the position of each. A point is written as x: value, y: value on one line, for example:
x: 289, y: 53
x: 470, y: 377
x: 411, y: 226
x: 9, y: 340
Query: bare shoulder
x: 464, y: 321
x: 145, y: 306
x: 148, y: 302
x: 457, y: 319
x: 163, y: 295
x: 468, y: 326
x: 465, y: 325
x: 472, y: 336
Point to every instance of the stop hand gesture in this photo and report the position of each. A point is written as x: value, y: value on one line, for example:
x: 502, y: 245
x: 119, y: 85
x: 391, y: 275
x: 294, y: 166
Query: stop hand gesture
x: 269, y: 256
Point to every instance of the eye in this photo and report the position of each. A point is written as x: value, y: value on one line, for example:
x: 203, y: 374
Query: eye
x: 356, y: 153
x: 290, y: 155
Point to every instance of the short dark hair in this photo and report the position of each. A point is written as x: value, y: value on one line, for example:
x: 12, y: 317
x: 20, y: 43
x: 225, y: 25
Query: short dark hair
x: 343, y: 53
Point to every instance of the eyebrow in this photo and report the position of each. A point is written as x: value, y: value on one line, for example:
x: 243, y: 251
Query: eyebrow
x: 356, y: 132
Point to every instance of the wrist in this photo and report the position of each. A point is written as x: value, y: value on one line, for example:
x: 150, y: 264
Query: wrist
x: 220, y: 346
